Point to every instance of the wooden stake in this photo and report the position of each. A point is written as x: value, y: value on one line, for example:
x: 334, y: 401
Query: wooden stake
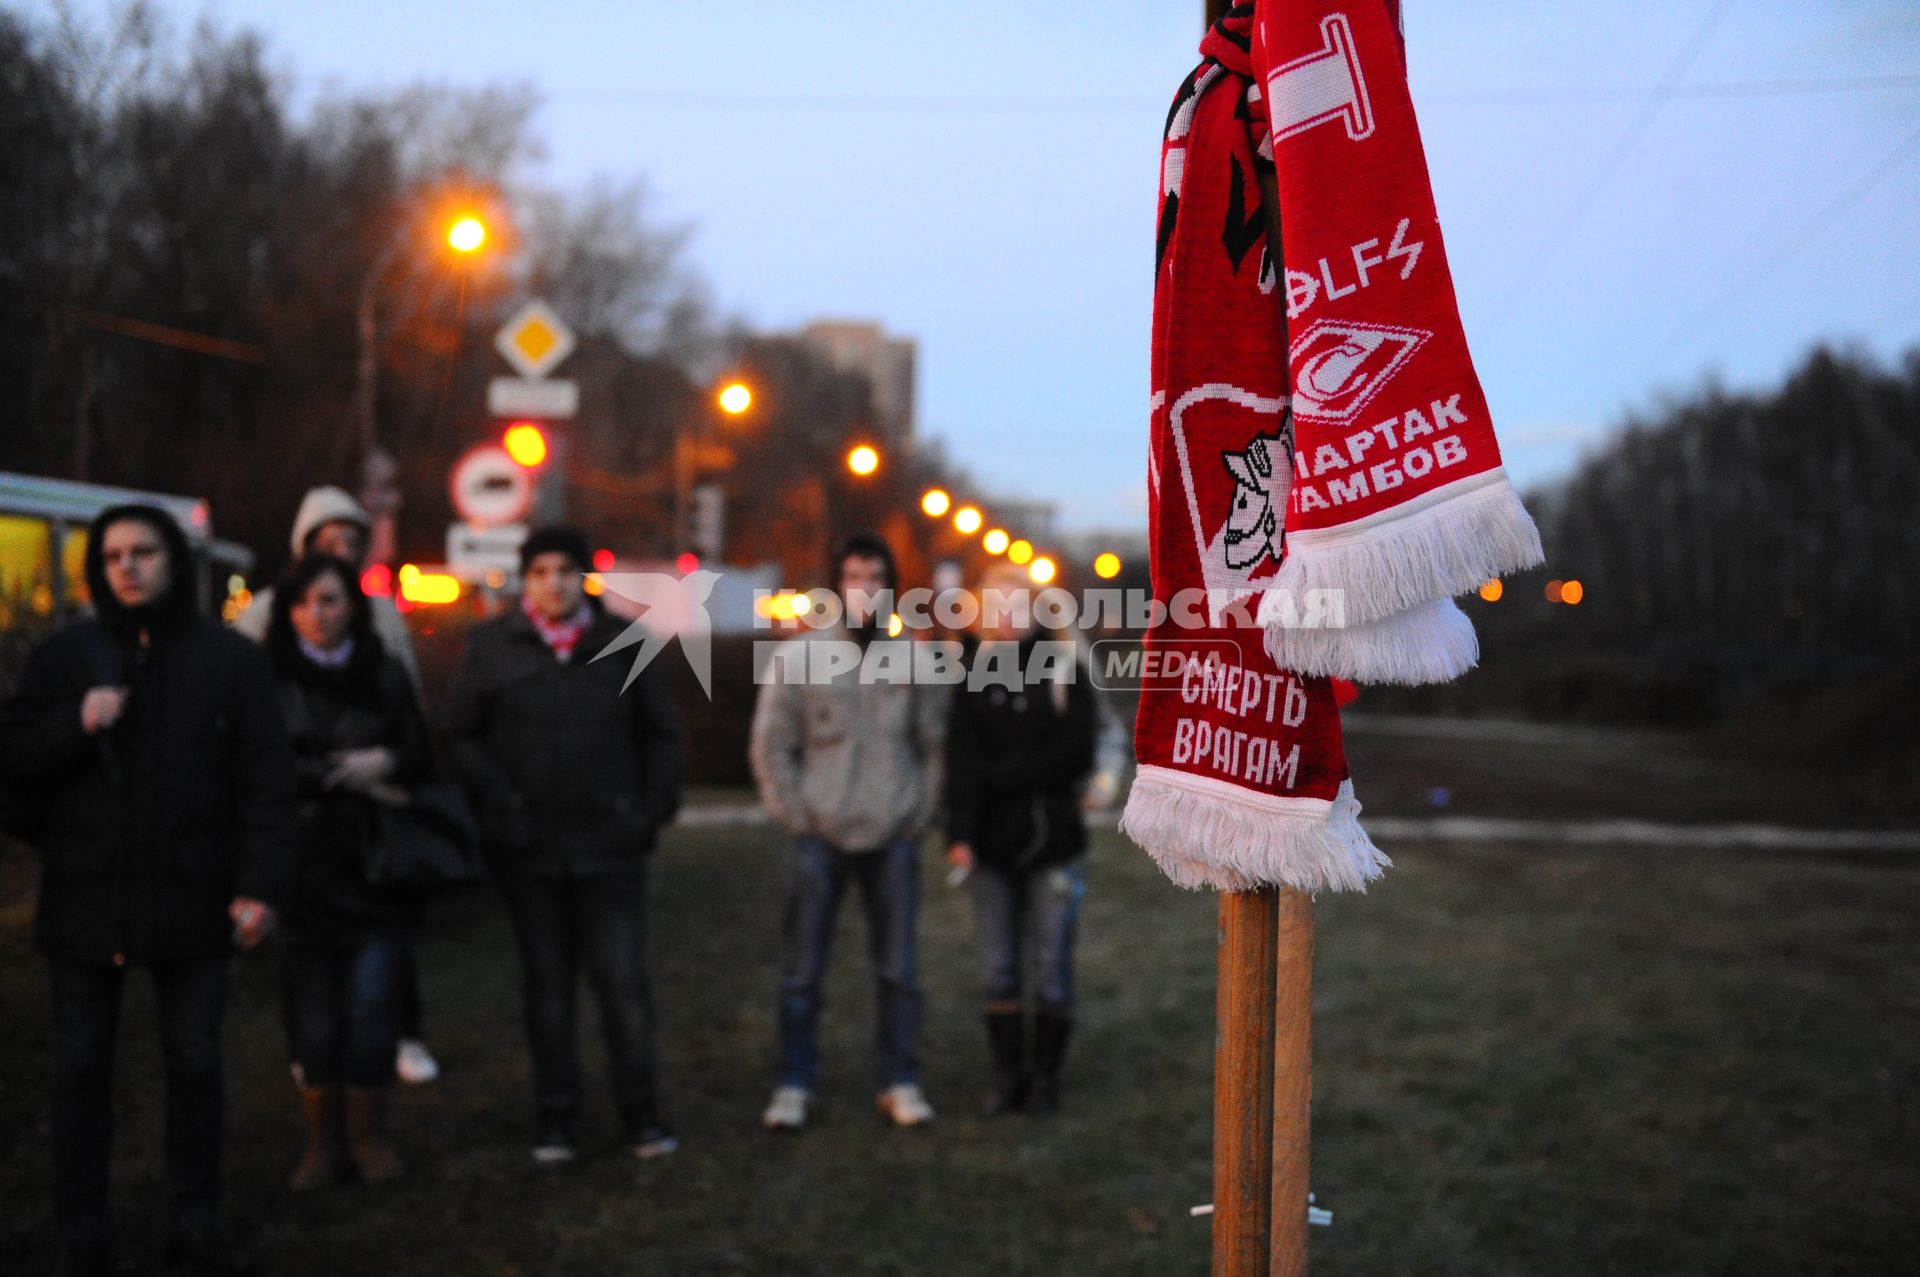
x: 1243, y: 1073
x: 1292, y: 1081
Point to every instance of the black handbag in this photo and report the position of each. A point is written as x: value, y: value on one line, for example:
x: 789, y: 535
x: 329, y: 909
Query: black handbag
x: 433, y: 841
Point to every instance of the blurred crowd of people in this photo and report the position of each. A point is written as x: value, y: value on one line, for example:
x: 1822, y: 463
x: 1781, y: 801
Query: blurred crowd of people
x: 195, y: 789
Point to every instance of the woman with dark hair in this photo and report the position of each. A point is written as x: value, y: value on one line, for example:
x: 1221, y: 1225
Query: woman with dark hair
x: 358, y: 740
x: 1020, y: 746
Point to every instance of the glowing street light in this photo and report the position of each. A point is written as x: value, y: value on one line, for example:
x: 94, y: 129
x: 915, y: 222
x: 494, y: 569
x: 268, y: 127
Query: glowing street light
x: 1571, y: 592
x: 968, y: 519
x: 467, y: 235
x: 1020, y: 551
x: 735, y: 398
x: 525, y: 444
x: 1107, y: 566
x: 863, y: 460
x: 1042, y: 570
x: 1492, y: 590
x: 935, y: 503
x: 995, y: 542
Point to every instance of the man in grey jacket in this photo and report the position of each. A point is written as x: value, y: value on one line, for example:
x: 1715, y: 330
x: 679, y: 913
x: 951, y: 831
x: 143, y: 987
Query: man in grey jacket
x: 849, y: 762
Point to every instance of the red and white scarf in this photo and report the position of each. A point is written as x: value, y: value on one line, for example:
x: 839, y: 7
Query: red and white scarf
x: 1322, y: 472
x: 563, y: 635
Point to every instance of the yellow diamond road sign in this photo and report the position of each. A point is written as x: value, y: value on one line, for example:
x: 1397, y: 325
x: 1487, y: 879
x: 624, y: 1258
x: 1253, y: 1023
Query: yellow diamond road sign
x: 535, y: 341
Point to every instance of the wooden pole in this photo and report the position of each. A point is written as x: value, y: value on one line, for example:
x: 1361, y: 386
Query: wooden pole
x: 1292, y: 1081
x: 1243, y: 1073
x: 1263, y: 1056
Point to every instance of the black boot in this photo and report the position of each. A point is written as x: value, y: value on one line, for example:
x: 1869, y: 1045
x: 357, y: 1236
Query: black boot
x: 1006, y: 1035
x: 1052, y: 1026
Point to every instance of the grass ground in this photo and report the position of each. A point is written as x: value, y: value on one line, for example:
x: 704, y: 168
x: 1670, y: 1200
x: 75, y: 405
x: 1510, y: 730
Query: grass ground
x: 1528, y: 1060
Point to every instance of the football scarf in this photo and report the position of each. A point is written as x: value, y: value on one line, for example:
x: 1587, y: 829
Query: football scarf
x: 1322, y: 476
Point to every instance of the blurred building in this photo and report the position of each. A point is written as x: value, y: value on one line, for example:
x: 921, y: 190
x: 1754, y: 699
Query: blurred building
x: 1022, y: 518
x: 886, y: 361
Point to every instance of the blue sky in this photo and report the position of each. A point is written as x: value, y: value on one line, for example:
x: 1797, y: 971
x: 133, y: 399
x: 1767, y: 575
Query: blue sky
x: 981, y: 176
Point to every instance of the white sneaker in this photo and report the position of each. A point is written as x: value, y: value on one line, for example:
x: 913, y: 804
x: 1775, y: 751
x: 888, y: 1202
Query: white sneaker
x: 905, y: 1105
x: 414, y: 1063
x: 787, y: 1111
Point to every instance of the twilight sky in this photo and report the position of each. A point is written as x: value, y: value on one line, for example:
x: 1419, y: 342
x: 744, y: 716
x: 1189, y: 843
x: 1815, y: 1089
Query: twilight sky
x: 1636, y: 196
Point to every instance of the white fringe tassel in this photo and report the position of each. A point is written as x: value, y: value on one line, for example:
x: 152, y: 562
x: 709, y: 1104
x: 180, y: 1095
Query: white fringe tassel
x: 1432, y: 643
x: 1412, y: 558
x: 1208, y: 833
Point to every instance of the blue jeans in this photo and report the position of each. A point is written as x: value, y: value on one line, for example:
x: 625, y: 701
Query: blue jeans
x: 343, y: 1009
x: 86, y: 1018
x: 1021, y: 912
x: 817, y: 876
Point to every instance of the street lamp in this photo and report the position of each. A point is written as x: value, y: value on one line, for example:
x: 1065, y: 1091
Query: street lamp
x: 735, y: 398
x: 525, y: 443
x: 935, y: 503
x: 967, y: 519
x: 467, y: 235
x: 995, y: 542
x: 379, y: 493
x: 1041, y: 570
x: 863, y: 460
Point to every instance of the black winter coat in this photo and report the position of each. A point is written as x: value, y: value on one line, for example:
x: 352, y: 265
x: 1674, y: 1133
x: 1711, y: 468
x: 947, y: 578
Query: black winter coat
x: 369, y: 702
x: 1015, y: 765
x: 571, y: 777
x: 152, y: 828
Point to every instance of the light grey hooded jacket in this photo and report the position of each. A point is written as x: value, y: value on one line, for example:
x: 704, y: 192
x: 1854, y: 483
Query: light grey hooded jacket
x: 856, y: 762
x: 334, y: 505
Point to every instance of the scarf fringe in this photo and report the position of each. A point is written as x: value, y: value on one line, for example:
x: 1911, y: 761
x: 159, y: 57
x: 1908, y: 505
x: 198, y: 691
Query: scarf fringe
x: 1432, y: 643
x: 1206, y: 833
x: 1446, y: 549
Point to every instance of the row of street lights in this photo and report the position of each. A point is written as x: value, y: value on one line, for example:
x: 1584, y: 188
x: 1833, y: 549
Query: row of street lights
x: 466, y: 234
x: 936, y: 503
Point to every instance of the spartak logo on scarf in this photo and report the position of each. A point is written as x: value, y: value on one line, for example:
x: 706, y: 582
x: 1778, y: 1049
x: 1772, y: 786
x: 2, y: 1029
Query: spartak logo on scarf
x: 1243, y: 777
x: 1398, y: 495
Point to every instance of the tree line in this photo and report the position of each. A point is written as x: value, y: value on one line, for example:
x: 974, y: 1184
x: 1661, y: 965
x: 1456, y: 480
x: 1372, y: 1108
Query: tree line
x: 183, y: 256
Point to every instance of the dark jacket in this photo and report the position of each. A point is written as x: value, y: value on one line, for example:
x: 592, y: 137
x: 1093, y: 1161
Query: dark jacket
x: 368, y: 702
x: 149, y: 830
x: 1015, y: 765
x: 570, y: 776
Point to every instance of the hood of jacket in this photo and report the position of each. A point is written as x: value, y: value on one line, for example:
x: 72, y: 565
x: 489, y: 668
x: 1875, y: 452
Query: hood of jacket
x: 322, y: 506
x: 171, y: 608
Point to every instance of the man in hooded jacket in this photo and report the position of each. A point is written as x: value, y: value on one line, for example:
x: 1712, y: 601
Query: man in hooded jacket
x: 149, y: 741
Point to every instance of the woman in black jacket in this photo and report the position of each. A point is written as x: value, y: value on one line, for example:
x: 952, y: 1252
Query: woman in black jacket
x: 1020, y: 745
x: 574, y: 774
x: 358, y: 740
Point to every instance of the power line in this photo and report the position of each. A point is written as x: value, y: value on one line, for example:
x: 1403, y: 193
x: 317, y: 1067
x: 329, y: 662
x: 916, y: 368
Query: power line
x: 961, y: 105
x: 1603, y: 172
x: 1833, y: 210
x: 1691, y: 92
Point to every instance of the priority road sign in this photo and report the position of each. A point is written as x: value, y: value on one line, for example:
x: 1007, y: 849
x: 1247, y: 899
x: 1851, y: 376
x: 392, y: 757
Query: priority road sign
x: 535, y: 341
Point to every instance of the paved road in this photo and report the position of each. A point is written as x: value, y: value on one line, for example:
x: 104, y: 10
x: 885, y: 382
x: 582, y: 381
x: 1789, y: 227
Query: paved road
x: 1482, y: 829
